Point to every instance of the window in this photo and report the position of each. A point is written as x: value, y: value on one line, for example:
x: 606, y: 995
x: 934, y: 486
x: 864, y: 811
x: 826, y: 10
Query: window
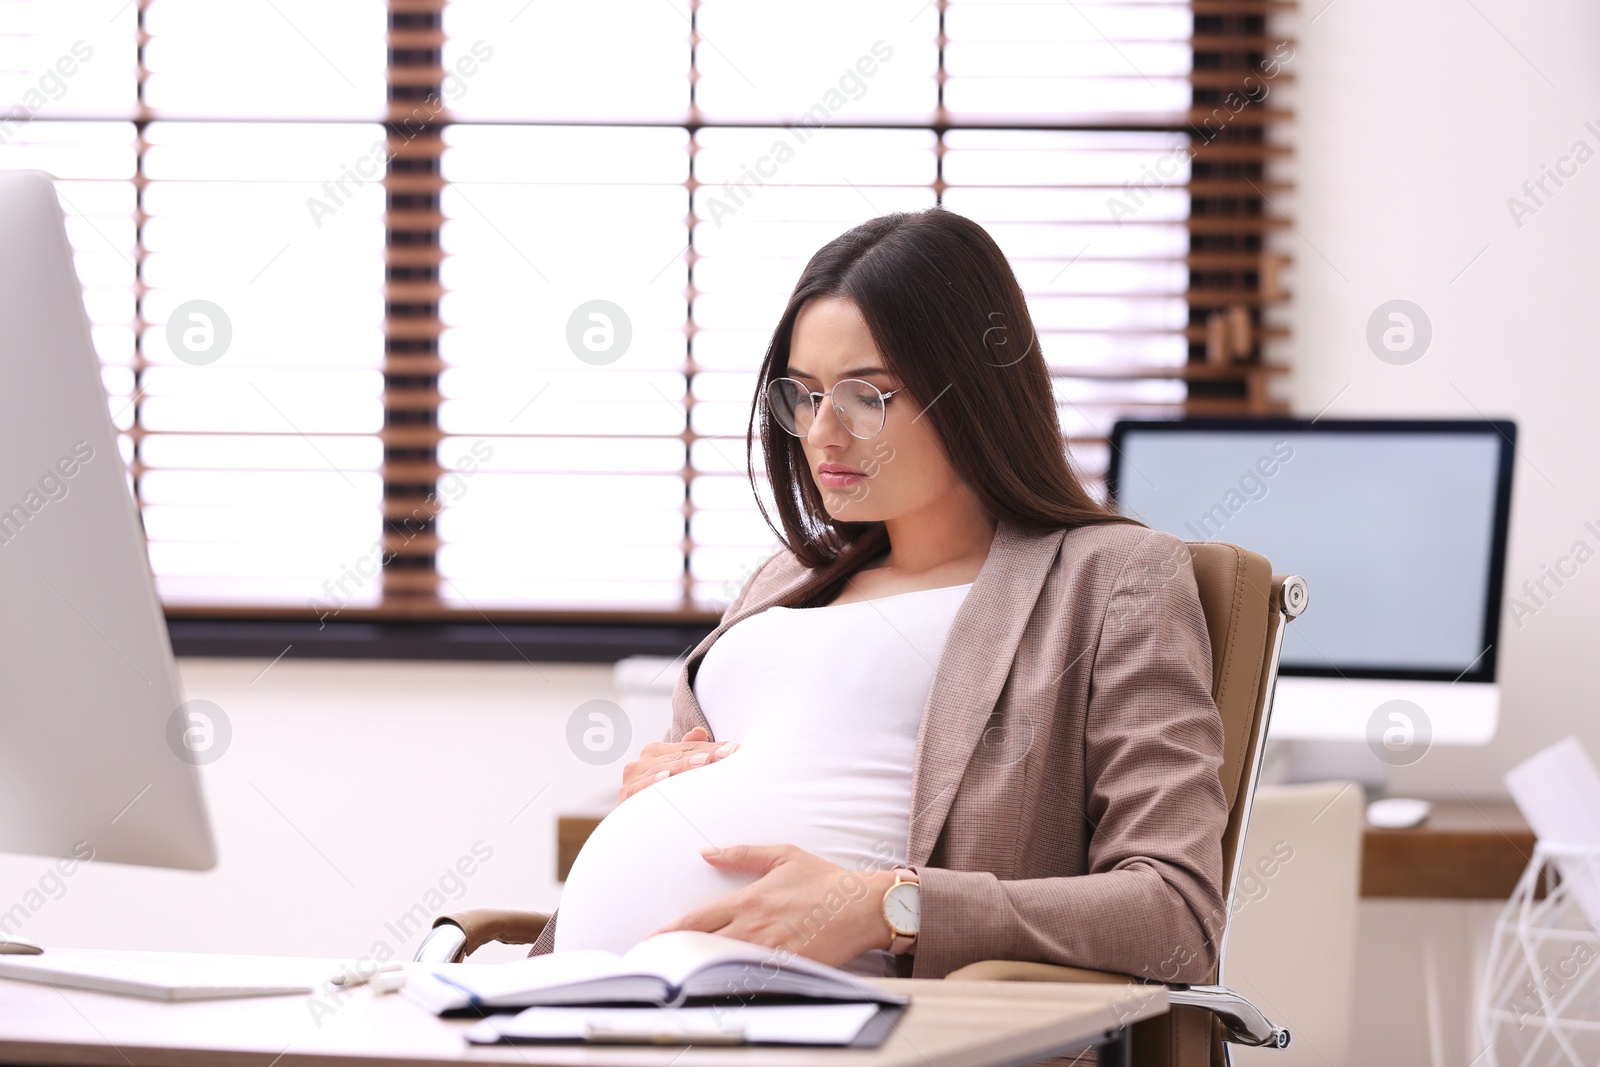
x: 429, y: 309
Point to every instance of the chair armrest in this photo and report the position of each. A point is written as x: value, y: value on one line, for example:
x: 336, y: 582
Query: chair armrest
x: 460, y: 934
x: 1025, y: 971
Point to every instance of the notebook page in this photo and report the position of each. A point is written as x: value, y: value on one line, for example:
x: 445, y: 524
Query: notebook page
x: 496, y: 982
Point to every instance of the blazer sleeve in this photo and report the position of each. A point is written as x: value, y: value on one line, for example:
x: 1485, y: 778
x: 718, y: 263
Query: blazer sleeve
x: 545, y: 942
x: 1151, y: 904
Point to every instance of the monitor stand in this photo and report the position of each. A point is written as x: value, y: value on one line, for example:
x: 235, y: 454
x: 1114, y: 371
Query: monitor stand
x: 1290, y: 762
x: 1298, y: 760
x: 1364, y: 729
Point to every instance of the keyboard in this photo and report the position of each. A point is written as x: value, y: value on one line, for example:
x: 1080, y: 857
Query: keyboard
x: 172, y: 975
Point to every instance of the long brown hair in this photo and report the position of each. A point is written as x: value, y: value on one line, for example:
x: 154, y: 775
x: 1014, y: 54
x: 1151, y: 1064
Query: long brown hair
x: 946, y: 312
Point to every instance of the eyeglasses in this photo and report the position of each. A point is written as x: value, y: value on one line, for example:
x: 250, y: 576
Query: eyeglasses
x: 860, y: 406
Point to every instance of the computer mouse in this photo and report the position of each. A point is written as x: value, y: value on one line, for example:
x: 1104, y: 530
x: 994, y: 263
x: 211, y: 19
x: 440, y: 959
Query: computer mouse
x: 1397, y: 813
x: 18, y: 946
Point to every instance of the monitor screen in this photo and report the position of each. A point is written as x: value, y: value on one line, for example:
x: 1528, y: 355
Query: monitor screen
x: 1398, y: 528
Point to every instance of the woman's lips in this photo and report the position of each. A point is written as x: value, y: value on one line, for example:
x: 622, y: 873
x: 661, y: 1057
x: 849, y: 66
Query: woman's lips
x: 837, y: 479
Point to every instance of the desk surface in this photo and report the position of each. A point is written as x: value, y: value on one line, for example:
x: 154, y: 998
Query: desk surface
x: 948, y: 1024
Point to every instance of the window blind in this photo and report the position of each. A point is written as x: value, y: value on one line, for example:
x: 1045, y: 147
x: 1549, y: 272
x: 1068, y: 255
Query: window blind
x: 461, y: 319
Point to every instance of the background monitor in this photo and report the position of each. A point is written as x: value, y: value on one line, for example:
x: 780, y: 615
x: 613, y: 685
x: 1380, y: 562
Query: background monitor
x: 1399, y: 528
x: 94, y: 740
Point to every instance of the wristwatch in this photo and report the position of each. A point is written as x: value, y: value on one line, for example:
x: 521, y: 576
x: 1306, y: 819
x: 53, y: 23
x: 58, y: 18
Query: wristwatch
x: 902, y: 910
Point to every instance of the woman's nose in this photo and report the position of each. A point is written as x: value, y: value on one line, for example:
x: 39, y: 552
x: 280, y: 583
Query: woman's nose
x: 826, y: 426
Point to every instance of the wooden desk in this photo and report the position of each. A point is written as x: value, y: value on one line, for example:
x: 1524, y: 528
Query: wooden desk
x: 948, y: 1024
x: 1467, y: 850
x: 571, y: 832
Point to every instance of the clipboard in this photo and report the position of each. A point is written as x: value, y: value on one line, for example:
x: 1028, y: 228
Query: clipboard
x: 808, y: 1025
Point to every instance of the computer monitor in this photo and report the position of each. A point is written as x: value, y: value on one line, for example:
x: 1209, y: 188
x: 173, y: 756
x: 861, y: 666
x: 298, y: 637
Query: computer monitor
x: 1399, y: 528
x: 96, y: 752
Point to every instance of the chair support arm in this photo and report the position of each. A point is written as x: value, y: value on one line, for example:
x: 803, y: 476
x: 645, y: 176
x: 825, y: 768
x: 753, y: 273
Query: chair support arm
x: 1243, y: 1021
x: 443, y: 944
x: 459, y: 935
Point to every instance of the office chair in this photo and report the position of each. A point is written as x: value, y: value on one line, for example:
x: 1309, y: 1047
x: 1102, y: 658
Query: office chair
x: 1246, y: 607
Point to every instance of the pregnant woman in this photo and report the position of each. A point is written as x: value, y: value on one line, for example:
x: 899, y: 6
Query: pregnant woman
x: 966, y: 713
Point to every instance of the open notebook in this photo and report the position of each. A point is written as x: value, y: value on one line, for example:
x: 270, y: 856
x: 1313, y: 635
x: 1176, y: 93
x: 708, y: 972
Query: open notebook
x: 664, y: 971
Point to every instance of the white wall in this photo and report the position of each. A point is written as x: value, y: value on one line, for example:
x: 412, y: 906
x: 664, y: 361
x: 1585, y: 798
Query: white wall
x: 349, y: 792
x: 1415, y: 122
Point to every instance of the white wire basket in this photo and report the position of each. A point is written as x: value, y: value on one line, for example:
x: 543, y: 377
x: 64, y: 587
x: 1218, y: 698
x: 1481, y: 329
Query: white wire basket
x: 1540, y: 999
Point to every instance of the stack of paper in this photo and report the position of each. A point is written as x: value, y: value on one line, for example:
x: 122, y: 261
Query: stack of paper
x: 1558, y: 791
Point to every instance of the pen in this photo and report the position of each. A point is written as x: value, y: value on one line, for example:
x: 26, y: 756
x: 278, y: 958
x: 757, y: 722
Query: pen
x: 600, y: 1034
x: 360, y: 975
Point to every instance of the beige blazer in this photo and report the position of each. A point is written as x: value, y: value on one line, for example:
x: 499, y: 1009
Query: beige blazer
x: 1066, y: 805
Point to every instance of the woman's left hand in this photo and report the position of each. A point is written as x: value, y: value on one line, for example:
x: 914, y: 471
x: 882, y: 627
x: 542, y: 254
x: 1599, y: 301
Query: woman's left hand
x: 795, y: 901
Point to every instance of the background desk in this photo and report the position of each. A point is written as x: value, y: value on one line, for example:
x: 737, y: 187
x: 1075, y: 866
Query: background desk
x: 1467, y: 850
x: 948, y: 1024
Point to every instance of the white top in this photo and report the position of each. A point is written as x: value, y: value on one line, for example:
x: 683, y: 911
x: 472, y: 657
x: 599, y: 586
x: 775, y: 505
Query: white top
x: 825, y: 704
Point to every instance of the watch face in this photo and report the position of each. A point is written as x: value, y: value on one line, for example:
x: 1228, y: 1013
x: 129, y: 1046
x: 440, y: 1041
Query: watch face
x: 902, y: 906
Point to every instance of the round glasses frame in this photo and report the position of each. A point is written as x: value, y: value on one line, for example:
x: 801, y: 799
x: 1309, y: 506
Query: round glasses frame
x: 775, y: 404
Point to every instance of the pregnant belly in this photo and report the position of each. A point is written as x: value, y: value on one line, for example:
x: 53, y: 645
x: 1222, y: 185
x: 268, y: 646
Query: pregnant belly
x: 642, y: 868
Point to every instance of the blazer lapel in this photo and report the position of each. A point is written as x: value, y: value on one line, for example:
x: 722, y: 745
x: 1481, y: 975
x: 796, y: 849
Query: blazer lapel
x: 966, y: 684
x: 972, y: 670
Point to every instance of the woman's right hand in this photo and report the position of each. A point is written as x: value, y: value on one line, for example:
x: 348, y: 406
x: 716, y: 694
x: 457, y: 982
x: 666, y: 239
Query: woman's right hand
x: 660, y: 760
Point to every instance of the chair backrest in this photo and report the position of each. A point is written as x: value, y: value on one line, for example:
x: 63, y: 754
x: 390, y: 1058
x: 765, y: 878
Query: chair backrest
x: 1301, y: 886
x: 1246, y: 607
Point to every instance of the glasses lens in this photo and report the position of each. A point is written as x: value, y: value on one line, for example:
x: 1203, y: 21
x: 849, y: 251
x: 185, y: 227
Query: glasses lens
x: 790, y: 405
x: 859, y: 406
